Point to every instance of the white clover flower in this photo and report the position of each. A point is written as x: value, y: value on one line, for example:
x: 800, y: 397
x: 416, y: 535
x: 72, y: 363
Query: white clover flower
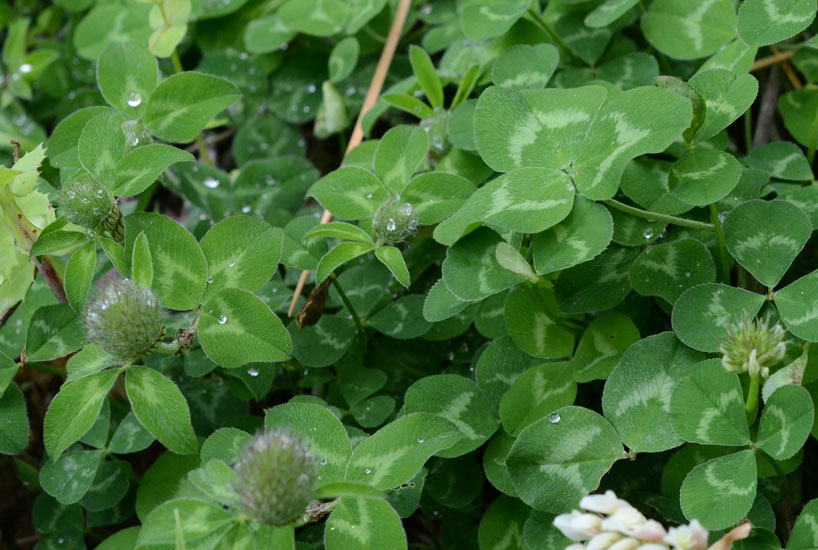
x: 576, y: 546
x: 651, y: 531
x: 602, y: 541
x: 629, y: 543
x: 578, y: 526
x: 688, y: 537
x: 624, y: 520
x: 653, y: 546
x: 603, y: 504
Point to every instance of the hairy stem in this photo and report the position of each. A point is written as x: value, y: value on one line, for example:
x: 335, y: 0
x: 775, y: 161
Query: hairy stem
x: 725, y: 258
x: 657, y: 217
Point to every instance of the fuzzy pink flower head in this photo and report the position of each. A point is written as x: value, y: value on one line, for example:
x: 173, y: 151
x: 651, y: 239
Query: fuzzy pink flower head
x: 578, y: 526
x: 629, y: 543
x: 625, y: 520
x: 602, y: 541
x: 650, y: 531
x: 606, y: 503
x: 688, y: 537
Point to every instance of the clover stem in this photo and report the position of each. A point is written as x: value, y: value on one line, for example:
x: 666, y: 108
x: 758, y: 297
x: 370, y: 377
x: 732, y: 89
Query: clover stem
x: 358, y: 325
x: 725, y: 258
x: 540, y: 22
x: 751, y: 407
x: 177, y: 63
x: 655, y: 216
x: 45, y: 368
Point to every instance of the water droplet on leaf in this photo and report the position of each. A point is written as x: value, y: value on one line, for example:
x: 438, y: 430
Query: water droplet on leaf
x: 222, y: 319
x: 252, y: 371
x: 134, y: 99
x: 211, y: 183
x: 554, y: 418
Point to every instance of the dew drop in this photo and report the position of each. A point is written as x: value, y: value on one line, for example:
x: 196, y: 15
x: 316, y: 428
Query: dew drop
x: 390, y: 224
x: 60, y: 540
x: 426, y: 9
x: 25, y: 68
x: 323, y: 461
x: 310, y: 88
x: 71, y: 194
x: 252, y: 371
x: 134, y: 99
x: 270, y: 179
x: 368, y: 471
x: 210, y: 280
x: 132, y: 139
x: 231, y: 263
x: 245, y: 209
x: 405, y: 209
x: 306, y: 109
x: 222, y: 319
x: 243, y: 55
x: 687, y: 274
x: 722, y: 215
x: 554, y: 418
x: 211, y: 183
x: 420, y: 440
x: 369, y: 195
x: 648, y: 233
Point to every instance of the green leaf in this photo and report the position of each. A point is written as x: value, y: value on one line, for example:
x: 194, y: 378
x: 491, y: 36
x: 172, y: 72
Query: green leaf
x: 179, y: 268
x: 320, y: 430
x: 130, y: 436
x: 14, y: 428
x: 530, y: 317
x: 54, y: 331
x: 374, y: 411
x: 781, y: 159
x: 762, y: 22
x: 107, y: 24
x: 796, y: 305
x: 247, y: 267
x: 596, y: 285
x: 497, y: 367
x: 402, y: 318
x: 535, y: 394
x: 70, y: 477
x: 804, y: 535
x: 267, y: 34
x: 765, y: 237
x: 127, y: 74
x: 441, y: 303
x: 141, y: 263
x: 702, y: 314
x: 580, y: 237
x: 528, y: 200
x: 799, y: 109
x: 399, y: 153
x: 472, y: 260
x: 702, y: 176
x: 237, y: 328
x: 397, y: 451
x: 667, y: 270
x: 362, y: 11
x: 101, y: 145
x: 409, y: 104
x: 727, y: 97
x: 335, y: 489
x: 602, y: 344
x: 392, y: 258
x: 638, y: 391
x: 501, y: 527
x: 608, y: 12
x: 74, y: 410
x: 343, y: 58
x: 201, y: 520
x: 314, y: 17
x: 707, y: 406
x: 459, y: 401
x: 62, y: 145
x: 364, y: 524
x: 295, y: 251
x: 139, y: 168
x: 636, y: 122
x: 349, y: 193
x: 689, y: 29
x: 434, y: 196
x: 494, y: 462
x: 512, y: 261
x: 721, y: 491
x: 484, y: 19
x: 183, y: 104
x: 115, y: 254
x: 561, y: 458
x: 160, y: 407
x: 358, y: 383
x: 338, y: 256
x: 786, y: 422
x: 427, y: 77
x: 324, y: 343
x: 534, y: 127
x: 524, y: 66
x: 89, y: 360
x: 79, y: 273
x: 339, y: 230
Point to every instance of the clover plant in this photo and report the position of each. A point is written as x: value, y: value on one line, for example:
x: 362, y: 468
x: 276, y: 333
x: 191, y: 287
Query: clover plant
x: 561, y: 286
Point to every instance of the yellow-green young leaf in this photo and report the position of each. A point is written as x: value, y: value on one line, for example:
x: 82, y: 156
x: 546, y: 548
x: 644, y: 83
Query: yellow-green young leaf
x: 766, y: 236
x: 14, y: 428
x: 161, y: 408
x: 786, y: 422
x: 511, y: 260
x: 501, y: 527
x: 139, y: 168
x: 524, y: 66
x: 343, y: 58
x: 637, y: 393
x: 797, y: 305
x: 248, y: 266
x: 561, y: 458
x: 141, y: 263
x: 689, y: 29
x: 332, y: 114
x: 101, y: 145
x: 804, y: 536
x: 395, y: 453
x: 763, y: 22
x: 115, y: 254
x: 74, y: 410
x: 461, y: 402
x: 537, y: 393
x: 62, y: 145
x: 320, y: 430
x: 339, y: 230
x: 314, y: 17
x: 667, y: 270
x: 399, y: 153
x: 702, y: 314
x: 127, y: 74
x: 70, y: 477
x: 364, y: 524
x: 530, y: 317
x: 179, y: 268
x: 338, y: 256
x: 237, y: 328
x: 54, y: 331
x: 79, y: 273
x: 726, y: 95
x: 409, y: 104
x: 721, y: 491
x: 202, y: 521
x: 349, y: 193
x: 183, y: 104
x: 427, y: 77
x: 702, y: 176
x: 707, y: 406
x: 392, y: 258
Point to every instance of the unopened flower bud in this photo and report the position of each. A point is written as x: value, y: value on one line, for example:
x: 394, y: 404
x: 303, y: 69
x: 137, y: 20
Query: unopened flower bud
x: 275, y: 477
x: 86, y: 203
x: 124, y: 320
x: 394, y: 222
x: 753, y: 346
